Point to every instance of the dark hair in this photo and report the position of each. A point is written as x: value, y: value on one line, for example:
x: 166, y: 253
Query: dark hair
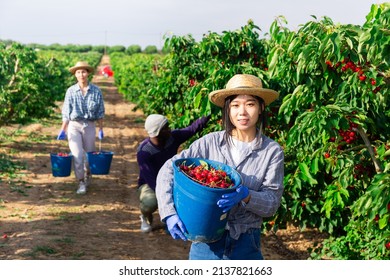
x: 227, y: 123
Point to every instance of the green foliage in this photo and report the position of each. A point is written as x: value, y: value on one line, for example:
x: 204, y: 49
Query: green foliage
x: 23, y: 91
x: 133, y: 49
x: 334, y: 83
x: 100, y: 49
x: 117, y: 48
x: 191, y: 70
x: 135, y: 75
x: 150, y: 50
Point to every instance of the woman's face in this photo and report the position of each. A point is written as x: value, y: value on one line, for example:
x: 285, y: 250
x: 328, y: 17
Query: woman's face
x: 81, y: 75
x: 244, y: 112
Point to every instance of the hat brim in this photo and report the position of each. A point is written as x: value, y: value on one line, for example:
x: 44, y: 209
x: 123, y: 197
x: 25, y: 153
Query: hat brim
x: 218, y: 97
x: 75, y: 68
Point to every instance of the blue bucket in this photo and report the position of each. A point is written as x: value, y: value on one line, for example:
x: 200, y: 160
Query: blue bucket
x: 61, y: 166
x: 100, y: 162
x: 196, y: 204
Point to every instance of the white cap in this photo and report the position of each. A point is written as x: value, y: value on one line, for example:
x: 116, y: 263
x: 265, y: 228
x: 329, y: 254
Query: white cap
x: 154, y: 123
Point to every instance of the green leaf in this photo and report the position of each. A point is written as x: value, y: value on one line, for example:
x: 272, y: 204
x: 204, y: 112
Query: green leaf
x: 204, y: 164
x: 314, y: 165
x: 383, y: 221
x: 306, y: 174
x: 293, y: 43
x: 198, y: 99
x: 364, y: 37
x: 349, y: 42
x: 367, y: 205
x: 273, y: 63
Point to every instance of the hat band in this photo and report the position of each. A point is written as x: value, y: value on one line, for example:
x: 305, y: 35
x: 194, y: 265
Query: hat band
x: 243, y: 87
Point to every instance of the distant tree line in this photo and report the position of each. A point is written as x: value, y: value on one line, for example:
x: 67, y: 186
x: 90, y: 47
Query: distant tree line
x: 132, y: 49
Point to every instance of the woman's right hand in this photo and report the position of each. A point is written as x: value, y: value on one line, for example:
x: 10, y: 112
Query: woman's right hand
x: 176, y: 227
x: 61, y: 135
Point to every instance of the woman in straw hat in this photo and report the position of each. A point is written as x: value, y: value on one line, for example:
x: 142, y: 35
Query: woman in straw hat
x: 243, y: 146
x: 83, y: 107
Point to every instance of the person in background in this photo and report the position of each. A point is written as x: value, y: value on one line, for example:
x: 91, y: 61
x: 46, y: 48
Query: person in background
x: 244, y: 147
x: 161, y: 145
x: 83, y: 108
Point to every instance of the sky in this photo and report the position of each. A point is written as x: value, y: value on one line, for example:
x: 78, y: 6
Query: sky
x: 148, y: 22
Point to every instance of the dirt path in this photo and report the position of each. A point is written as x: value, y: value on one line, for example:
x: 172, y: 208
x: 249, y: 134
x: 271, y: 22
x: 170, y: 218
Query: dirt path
x: 45, y: 219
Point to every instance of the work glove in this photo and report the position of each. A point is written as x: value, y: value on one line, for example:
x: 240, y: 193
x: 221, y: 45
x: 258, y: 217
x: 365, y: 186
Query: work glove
x: 230, y: 199
x: 101, y: 134
x: 176, y: 227
x: 61, y: 135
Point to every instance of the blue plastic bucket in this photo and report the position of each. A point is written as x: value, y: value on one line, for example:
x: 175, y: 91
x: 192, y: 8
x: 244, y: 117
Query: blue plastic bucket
x: 61, y: 166
x: 196, y: 204
x: 100, y: 162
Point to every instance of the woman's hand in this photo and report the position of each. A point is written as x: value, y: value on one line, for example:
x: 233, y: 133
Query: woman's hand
x: 230, y: 199
x: 176, y: 227
x: 61, y: 135
x: 101, y: 134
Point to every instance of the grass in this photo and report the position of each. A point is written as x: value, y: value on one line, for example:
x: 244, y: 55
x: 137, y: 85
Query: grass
x: 13, y: 141
x: 65, y: 215
x: 19, y: 190
x: 10, y: 174
x: 45, y: 250
x: 9, y: 166
x: 65, y: 240
x: 7, y: 136
x: 2, y: 202
x: 35, y: 137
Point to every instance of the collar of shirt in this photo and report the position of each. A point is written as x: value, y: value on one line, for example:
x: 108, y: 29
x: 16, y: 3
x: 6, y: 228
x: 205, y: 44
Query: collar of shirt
x: 80, y: 90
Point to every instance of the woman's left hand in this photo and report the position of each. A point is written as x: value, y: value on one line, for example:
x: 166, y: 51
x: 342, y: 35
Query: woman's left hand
x: 230, y: 199
x: 101, y: 134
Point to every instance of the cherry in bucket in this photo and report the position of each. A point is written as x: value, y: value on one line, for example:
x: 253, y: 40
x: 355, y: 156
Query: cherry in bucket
x: 207, y: 175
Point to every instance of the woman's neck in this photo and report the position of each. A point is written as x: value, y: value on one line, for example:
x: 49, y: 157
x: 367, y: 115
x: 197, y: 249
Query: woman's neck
x: 83, y: 87
x: 83, y: 84
x: 244, y: 136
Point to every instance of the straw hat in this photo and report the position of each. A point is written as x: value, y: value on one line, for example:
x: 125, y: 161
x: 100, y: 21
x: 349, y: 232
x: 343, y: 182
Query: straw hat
x: 81, y: 65
x: 243, y: 84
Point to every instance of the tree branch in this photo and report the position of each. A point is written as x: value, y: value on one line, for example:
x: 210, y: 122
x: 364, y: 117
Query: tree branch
x: 16, y: 69
x: 367, y: 142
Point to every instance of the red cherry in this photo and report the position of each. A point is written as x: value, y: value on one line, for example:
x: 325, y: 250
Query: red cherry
x: 388, y: 245
x: 327, y: 155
